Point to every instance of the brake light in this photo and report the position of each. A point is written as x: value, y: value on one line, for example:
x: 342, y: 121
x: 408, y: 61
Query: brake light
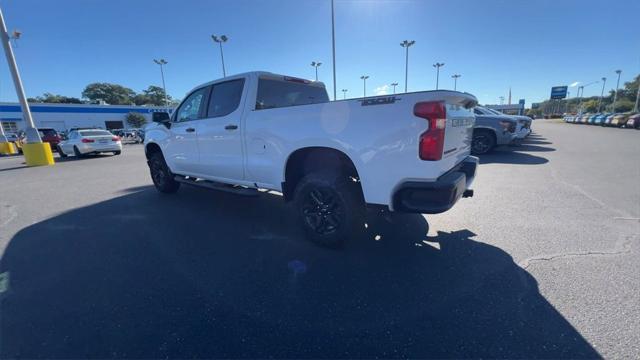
x: 297, y: 80
x: 432, y: 140
x: 87, y: 140
x: 115, y: 138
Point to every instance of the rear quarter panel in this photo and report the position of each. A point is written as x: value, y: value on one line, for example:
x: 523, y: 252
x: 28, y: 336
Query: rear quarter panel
x: 381, y: 140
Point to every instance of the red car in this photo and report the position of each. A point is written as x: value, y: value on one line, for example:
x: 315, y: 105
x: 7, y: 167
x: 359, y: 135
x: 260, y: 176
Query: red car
x: 51, y: 136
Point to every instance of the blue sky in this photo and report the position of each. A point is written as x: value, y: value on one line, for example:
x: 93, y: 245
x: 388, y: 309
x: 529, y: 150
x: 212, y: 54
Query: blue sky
x: 526, y: 45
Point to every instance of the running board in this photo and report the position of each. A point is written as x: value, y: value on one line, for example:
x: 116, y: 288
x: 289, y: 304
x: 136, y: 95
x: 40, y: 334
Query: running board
x: 238, y: 190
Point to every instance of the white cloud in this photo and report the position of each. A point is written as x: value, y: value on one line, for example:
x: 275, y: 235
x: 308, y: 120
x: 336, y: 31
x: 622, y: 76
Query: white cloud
x: 382, y: 90
x: 574, y: 84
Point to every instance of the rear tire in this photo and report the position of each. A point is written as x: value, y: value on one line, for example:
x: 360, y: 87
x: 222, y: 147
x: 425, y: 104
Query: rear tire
x: 161, y: 175
x: 330, y: 207
x: 482, y: 142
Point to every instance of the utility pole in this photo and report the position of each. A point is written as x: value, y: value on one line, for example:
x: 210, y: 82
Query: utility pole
x: 333, y: 49
x: 344, y: 93
x: 315, y: 65
x: 163, y: 62
x: 455, y: 81
x: 364, y: 84
x: 35, y: 152
x: 406, y: 44
x: 615, y: 95
x: 220, y: 40
x: 438, y: 66
x: 394, y: 87
x: 604, y: 81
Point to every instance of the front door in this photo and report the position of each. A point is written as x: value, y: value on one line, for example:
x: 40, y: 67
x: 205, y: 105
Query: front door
x: 220, y: 133
x: 181, y: 152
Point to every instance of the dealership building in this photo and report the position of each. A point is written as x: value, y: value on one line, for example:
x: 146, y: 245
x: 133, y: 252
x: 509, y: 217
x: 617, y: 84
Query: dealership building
x: 66, y: 116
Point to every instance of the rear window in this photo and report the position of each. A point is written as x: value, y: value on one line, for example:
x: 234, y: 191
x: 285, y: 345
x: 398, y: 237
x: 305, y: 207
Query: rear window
x: 95, y: 133
x: 47, y: 132
x: 275, y: 94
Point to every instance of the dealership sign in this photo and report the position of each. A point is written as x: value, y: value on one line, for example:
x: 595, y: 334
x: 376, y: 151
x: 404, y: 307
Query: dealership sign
x: 558, y: 92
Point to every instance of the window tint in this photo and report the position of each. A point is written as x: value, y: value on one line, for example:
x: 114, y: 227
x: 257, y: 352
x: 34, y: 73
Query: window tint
x: 275, y: 94
x: 477, y: 112
x: 191, y: 108
x: 95, y: 133
x: 225, y: 98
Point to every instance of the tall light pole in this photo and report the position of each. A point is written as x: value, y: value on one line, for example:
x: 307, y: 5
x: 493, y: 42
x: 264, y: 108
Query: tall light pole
x: 455, y: 81
x: 438, y: 66
x: 394, y: 87
x: 315, y: 65
x: 615, y: 95
x: 220, y: 40
x: 344, y: 93
x: 35, y: 152
x: 406, y: 44
x: 333, y: 49
x: 163, y: 62
x: 635, y: 108
x: 604, y: 81
x: 364, y: 84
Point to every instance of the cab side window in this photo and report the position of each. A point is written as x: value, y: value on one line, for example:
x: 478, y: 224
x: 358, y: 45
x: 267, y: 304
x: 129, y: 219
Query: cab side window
x: 225, y: 98
x: 193, y: 107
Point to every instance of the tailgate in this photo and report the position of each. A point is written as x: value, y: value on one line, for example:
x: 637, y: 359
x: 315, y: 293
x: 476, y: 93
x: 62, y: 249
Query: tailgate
x: 459, y: 126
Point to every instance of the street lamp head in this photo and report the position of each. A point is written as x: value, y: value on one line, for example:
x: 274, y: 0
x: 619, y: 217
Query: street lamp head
x: 455, y: 76
x: 220, y: 39
x: 437, y: 65
x: 604, y: 79
x: 394, y: 84
x: 344, y: 90
x: 160, y: 62
x: 364, y: 77
x: 316, y: 64
x: 407, y: 43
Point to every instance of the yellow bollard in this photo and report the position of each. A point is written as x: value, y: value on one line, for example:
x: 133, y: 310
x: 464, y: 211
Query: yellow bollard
x: 37, y: 154
x: 7, y: 148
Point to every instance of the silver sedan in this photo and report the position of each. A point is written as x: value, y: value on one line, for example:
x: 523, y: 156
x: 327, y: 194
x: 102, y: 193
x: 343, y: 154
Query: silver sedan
x: 90, y: 141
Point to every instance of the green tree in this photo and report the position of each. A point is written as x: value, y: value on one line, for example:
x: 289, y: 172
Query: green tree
x: 624, y: 105
x: 54, y: 99
x: 112, y: 94
x: 135, y: 119
x: 153, y: 95
x: 590, y: 105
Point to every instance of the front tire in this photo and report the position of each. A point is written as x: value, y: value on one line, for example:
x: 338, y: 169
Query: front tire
x: 330, y: 207
x: 161, y: 175
x: 61, y: 153
x: 77, y: 152
x: 482, y: 142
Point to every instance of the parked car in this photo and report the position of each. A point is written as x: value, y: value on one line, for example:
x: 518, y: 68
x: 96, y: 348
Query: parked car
x: 90, y: 141
x: 524, y: 122
x: 620, y: 120
x: 592, y: 119
x: 633, y: 121
x: 600, y: 118
x: 608, y: 119
x: 260, y: 130
x: 51, y: 136
x: 492, y: 130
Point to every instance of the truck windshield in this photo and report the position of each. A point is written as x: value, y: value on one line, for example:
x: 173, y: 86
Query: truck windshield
x: 275, y: 94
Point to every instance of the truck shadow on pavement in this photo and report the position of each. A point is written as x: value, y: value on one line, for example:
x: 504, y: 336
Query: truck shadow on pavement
x: 519, y: 154
x: 206, y: 274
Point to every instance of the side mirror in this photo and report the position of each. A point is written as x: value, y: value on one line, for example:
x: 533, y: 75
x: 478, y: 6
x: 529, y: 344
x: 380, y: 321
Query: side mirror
x: 162, y: 118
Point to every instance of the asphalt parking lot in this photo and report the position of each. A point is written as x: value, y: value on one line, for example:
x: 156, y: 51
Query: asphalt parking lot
x: 541, y: 262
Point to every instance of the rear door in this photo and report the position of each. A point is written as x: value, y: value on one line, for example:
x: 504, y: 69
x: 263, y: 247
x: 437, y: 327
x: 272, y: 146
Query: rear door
x: 181, y: 152
x: 220, y: 132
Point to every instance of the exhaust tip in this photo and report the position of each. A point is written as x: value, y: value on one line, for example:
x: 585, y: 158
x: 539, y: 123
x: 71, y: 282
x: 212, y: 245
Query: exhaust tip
x: 467, y: 193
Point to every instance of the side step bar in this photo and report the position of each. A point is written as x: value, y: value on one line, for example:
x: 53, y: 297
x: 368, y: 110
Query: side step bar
x: 238, y: 190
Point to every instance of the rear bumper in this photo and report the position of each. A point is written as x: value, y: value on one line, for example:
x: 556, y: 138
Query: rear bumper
x: 87, y: 148
x: 436, y: 196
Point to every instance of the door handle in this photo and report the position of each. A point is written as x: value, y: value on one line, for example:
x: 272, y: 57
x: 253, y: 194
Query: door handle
x: 190, y: 130
x: 231, y: 127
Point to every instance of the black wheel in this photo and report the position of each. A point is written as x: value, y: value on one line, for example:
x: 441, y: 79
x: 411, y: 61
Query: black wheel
x: 161, y: 175
x: 330, y: 207
x: 482, y: 143
x: 117, y: 152
x: 61, y: 153
x: 77, y: 152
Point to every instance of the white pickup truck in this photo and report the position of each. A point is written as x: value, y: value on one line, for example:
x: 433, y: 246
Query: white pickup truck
x: 408, y: 152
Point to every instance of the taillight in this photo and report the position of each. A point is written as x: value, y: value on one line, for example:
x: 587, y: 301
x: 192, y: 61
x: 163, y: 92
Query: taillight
x: 115, y: 138
x: 87, y: 140
x: 432, y: 140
